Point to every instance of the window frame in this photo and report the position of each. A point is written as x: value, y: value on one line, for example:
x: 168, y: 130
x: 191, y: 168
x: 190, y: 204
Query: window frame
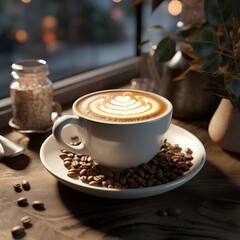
x: 111, y: 76
x: 69, y: 89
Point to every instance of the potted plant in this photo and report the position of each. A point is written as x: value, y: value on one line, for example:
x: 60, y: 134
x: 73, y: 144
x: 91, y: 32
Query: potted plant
x: 213, y: 47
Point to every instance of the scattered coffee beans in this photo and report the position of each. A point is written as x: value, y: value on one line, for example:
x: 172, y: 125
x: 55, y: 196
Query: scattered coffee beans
x: 38, y: 205
x: 22, y: 202
x: 26, y: 185
x: 169, y: 164
x: 18, y: 232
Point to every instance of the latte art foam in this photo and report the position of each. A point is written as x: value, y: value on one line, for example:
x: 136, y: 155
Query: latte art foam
x: 121, y: 106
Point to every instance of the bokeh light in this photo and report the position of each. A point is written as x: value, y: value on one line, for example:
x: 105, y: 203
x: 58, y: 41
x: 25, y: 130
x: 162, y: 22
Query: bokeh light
x: 175, y: 7
x: 26, y: 1
x: 21, y: 36
x: 49, y: 22
x: 49, y: 37
x: 115, y: 13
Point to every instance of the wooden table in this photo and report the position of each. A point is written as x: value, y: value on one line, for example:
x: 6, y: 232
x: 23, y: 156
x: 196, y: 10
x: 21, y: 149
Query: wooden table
x: 206, y: 207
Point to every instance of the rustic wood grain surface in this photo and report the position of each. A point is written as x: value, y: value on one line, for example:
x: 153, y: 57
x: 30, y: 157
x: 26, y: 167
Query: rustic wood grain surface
x: 206, y: 207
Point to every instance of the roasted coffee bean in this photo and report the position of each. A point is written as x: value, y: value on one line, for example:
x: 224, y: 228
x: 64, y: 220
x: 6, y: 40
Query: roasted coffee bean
x: 149, y: 182
x: 117, y: 185
x: 152, y: 169
x: 26, y: 185
x: 63, y: 155
x: 38, y: 205
x: 75, y: 163
x: 162, y: 212
x: 98, y: 178
x: 173, y: 211
x: 73, y: 172
x: 123, y: 180
x: 90, y: 179
x: 67, y: 164
x: 70, y: 155
x: 65, y: 151
x: 68, y: 159
x: 159, y: 174
x: 83, y: 172
x: 108, y: 174
x: 83, y: 178
x: 26, y: 221
x: 104, y: 184
x: 188, y: 156
x: 168, y: 165
x: 18, y: 232
x: 22, y: 202
x: 93, y: 183
x: 109, y: 181
x: 86, y: 165
x: 116, y: 176
x: 76, y: 158
x: 188, y: 150
x: 184, y: 167
x: 17, y: 187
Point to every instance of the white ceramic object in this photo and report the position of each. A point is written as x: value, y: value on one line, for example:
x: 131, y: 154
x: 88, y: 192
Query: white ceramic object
x: 118, y: 144
x: 50, y: 150
x: 224, y: 128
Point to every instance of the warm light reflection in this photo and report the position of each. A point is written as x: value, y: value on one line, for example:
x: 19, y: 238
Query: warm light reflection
x: 49, y: 22
x: 180, y: 24
x: 26, y: 1
x: 175, y: 7
x: 115, y: 13
x: 117, y: 1
x: 21, y: 36
x: 49, y: 37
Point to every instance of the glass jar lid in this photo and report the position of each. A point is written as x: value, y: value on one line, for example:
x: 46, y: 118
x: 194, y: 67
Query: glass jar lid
x: 30, y: 66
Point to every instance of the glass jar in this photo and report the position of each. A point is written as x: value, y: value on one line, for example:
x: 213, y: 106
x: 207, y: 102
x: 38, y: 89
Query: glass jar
x: 31, y: 94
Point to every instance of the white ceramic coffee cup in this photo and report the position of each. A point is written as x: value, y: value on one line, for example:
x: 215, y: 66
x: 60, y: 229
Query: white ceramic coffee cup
x: 115, y: 144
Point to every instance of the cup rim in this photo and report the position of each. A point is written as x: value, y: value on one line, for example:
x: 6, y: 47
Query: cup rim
x: 168, y: 111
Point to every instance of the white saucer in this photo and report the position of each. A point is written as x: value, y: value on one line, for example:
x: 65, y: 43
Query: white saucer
x: 50, y: 150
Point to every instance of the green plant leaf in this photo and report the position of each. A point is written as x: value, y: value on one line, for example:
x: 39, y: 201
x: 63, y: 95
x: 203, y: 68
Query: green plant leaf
x: 234, y: 88
x: 166, y: 49
x: 206, y: 42
x: 212, y: 63
x: 217, y: 86
x: 218, y: 12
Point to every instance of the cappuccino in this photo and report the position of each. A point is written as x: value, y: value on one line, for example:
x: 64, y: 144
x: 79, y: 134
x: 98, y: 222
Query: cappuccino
x: 121, y: 106
x: 118, y: 128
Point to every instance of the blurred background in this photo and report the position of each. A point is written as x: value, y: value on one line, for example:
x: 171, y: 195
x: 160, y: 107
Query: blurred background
x: 75, y: 36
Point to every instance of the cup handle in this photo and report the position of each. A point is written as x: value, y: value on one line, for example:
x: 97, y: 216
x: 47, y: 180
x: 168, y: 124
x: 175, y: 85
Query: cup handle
x: 57, y: 111
x: 57, y: 131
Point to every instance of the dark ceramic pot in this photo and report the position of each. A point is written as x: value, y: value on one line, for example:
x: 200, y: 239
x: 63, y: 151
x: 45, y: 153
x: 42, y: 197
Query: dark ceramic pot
x: 189, y: 99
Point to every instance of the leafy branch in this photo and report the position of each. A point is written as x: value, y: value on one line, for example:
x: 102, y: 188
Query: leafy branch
x: 215, y: 48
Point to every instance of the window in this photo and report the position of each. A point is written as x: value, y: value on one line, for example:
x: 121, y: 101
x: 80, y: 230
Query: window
x: 72, y: 36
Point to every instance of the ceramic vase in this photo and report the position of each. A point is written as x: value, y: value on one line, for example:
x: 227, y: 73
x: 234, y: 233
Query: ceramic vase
x: 224, y: 127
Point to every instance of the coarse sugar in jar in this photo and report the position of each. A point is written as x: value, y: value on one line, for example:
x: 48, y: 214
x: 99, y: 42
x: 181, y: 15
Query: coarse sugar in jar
x: 31, y: 94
